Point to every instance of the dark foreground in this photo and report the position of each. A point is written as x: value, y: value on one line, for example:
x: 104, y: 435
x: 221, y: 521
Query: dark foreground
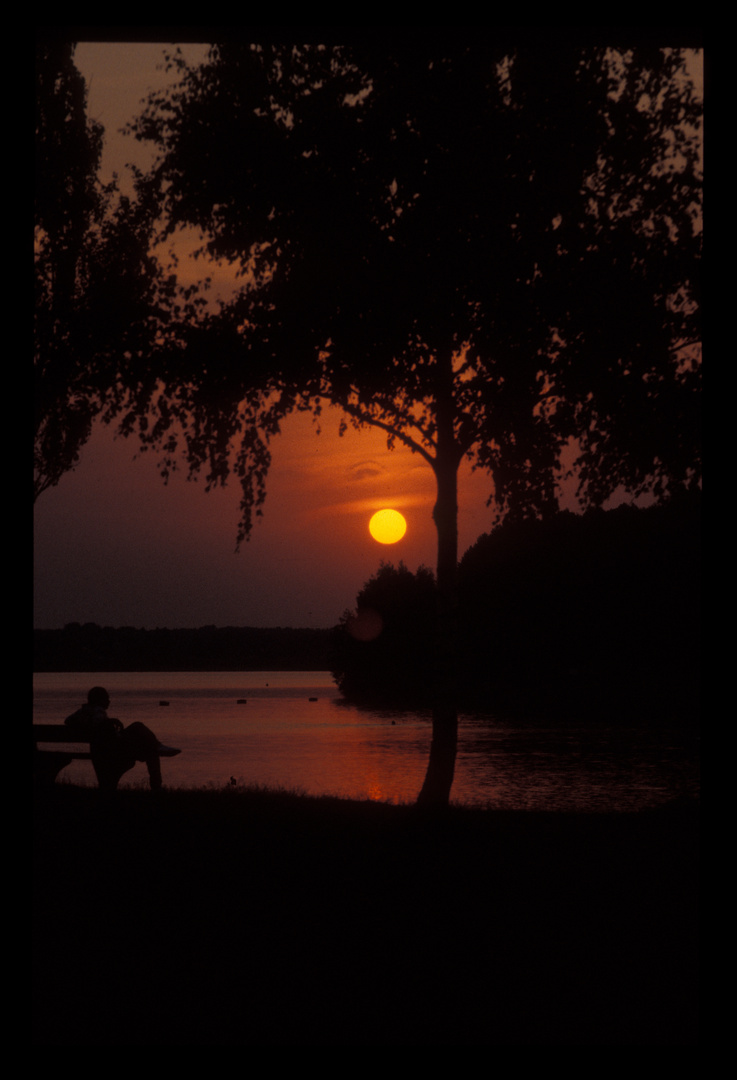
x: 256, y: 919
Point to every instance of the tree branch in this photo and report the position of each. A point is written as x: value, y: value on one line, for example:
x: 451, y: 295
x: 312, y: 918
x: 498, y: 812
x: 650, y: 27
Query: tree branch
x: 364, y: 417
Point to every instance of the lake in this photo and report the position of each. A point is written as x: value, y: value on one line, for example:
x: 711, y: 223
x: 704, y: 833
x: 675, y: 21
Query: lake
x: 292, y: 730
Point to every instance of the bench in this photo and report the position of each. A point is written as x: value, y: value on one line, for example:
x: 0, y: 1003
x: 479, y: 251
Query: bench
x: 47, y: 764
x: 110, y: 760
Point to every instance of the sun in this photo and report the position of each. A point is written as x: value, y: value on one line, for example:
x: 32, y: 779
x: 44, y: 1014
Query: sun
x: 387, y: 526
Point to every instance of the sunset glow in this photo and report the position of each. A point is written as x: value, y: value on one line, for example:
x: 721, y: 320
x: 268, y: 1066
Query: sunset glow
x: 387, y: 526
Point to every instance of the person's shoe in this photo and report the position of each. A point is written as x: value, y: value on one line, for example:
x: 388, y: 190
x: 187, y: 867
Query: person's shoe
x: 167, y: 751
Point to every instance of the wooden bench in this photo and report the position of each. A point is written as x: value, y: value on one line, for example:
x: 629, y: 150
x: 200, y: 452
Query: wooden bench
x: 47, y: 764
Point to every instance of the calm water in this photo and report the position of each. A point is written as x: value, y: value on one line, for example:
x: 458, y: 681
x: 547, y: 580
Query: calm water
x: 280, y: 738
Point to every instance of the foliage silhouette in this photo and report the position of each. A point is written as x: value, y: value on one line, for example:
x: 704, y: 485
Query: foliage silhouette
x: 390, y: 207
x: 100, y: 295
x: 391, y: 663
x: 488, y: 251
x: 596, y: 615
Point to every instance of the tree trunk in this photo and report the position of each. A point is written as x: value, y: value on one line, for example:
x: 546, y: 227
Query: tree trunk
x: 441, y: 767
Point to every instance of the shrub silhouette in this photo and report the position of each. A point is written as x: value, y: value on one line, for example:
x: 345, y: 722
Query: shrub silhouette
x: 383, y: 651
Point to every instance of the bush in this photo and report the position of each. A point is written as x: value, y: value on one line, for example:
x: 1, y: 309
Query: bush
x: 383, y: 649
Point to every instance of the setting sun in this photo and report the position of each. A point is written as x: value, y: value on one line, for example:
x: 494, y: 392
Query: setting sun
x: 387, y: 526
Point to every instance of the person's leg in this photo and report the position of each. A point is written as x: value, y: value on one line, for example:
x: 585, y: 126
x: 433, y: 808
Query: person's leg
x: 141, y: 742
x: 110, y: 764
x: 153, y: 764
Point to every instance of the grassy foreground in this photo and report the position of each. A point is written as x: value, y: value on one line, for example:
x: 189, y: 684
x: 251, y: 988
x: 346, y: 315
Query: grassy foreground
x: 255, y: 918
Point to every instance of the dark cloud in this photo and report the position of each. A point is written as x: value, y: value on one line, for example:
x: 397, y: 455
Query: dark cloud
x: 365, y: 470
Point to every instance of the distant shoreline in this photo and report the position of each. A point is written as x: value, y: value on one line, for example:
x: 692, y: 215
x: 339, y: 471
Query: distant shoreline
x: 89, y: 647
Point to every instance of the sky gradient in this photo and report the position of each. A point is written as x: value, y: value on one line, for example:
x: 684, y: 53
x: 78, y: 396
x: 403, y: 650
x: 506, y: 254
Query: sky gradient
x: 115, y: 546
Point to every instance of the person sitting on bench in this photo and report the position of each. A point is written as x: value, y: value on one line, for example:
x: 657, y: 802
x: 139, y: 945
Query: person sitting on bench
x: 115, y: 749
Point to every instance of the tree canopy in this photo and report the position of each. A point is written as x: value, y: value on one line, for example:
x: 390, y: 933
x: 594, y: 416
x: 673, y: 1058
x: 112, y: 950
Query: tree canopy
x: 488, y: 247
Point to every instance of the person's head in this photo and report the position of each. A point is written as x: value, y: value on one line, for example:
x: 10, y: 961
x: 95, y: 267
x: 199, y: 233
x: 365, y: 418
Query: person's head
x: 98, y: 695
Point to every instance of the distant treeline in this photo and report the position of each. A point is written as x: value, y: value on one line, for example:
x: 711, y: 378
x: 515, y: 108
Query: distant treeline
x: 595, y: 614
x: 89, y: 647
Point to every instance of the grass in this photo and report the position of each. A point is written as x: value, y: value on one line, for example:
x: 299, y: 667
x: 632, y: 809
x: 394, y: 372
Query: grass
x: 243, y: 916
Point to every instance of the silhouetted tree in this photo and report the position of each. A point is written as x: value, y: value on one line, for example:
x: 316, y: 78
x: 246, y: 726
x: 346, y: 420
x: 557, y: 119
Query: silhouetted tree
x: 100, y: 296
x: 488, y: 251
